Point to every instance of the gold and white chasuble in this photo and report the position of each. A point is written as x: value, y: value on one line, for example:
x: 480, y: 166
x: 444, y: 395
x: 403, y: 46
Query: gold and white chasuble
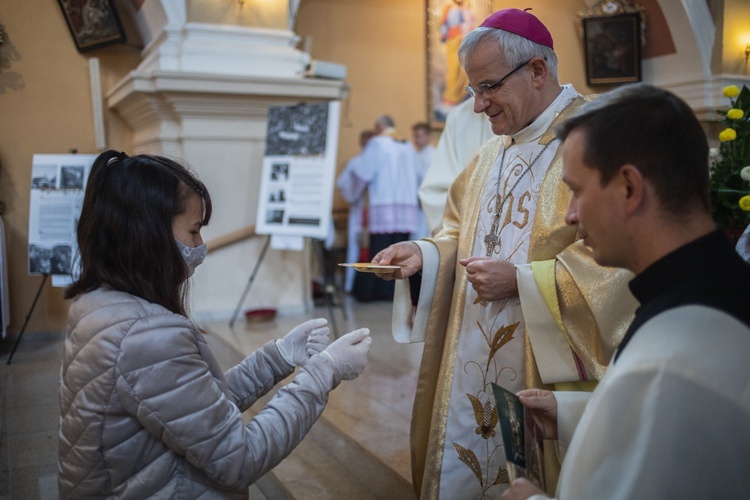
x: 564, y: 297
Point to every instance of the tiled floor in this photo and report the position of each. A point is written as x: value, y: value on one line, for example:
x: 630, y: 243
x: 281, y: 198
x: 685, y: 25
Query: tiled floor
x: 30, y: 412
x: 373, y: 410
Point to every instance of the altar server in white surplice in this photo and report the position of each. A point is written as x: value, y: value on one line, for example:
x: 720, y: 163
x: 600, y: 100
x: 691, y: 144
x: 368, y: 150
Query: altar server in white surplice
x: 387, y: 169
x: 420, y: 137
x: 356, y: 206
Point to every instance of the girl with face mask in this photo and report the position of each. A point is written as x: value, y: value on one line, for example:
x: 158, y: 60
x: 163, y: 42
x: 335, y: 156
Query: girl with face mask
x: 145, y: 409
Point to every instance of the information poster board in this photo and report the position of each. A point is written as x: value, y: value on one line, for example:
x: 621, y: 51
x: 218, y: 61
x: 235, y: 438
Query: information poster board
x: 58, y: 183
x: 299, y: 168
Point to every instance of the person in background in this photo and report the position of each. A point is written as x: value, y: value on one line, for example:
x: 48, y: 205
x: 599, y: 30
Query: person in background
x: 464, y: 133
x: 420, y: 136
x: 507, y: 295
x: 356, y: 208
x: 387, y: 170
x: 145, y: 409
x: 670, y: 417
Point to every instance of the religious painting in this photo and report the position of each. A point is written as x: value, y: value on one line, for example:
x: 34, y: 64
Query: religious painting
x: 614, y: 33
x: 93, y: 23
x: 447, y: 23
x: 612, y: 46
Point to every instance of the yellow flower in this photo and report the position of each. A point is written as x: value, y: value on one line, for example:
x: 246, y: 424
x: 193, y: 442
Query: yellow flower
x: 745, y: 173
x: 745, y: 203
x: 735, y: 114
x: 731, y: 91
x: 728, y: 134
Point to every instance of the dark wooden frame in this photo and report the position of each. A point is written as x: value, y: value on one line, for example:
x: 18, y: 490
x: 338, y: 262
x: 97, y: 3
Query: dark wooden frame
x: 612, y: 45
x: 92, y: 23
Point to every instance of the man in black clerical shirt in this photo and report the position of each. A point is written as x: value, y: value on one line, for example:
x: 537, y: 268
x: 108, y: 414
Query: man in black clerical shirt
x: 670, y: 417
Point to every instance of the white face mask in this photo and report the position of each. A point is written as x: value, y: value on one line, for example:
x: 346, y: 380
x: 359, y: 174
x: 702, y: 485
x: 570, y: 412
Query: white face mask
x: 193, y: 255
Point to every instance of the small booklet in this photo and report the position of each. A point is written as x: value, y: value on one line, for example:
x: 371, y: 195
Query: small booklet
x: 522, y: 436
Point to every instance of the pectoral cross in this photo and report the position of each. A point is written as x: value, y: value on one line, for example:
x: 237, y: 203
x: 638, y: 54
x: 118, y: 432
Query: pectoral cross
x: 492, y: 240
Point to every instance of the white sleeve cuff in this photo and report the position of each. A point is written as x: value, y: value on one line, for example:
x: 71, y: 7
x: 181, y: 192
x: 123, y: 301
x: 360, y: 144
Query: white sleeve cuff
x: 404, y: 329
x: 570, y: 407
x: 550, y: 346
x: 287, y: 357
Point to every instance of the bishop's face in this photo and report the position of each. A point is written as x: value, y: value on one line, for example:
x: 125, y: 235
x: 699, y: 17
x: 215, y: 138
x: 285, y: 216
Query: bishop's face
x: 509, y: 106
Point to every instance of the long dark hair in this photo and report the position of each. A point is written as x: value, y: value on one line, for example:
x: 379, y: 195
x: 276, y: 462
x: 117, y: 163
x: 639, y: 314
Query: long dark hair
x: 125, y: 238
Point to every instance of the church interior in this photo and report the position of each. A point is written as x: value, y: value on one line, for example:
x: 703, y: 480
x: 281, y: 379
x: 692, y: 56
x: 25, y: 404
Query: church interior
x: 194, y: 79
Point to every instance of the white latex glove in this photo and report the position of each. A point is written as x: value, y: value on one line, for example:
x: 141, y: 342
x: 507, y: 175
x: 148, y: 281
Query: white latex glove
x: 303, y: 341
x: 349, y: 353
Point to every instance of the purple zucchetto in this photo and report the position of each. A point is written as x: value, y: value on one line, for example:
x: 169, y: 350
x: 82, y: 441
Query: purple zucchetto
x: 521, y: 23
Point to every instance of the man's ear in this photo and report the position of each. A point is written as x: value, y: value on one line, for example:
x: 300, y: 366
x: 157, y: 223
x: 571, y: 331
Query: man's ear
x: 635, y: 187
x: 539, y: 70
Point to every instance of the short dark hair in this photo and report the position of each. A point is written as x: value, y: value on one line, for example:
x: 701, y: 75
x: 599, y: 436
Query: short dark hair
x: 654, y: 130
x: 125, y: 238
x: 421, y: 126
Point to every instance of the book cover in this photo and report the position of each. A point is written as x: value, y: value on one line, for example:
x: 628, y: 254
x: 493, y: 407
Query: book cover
x: 522, y: 437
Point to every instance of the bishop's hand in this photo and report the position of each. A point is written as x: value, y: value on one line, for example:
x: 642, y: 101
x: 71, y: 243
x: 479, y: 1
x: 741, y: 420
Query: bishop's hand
x: 492, y: 279
x: 405, y: 254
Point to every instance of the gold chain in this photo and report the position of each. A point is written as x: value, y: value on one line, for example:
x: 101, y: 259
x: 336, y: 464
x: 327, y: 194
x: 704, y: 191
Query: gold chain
x: 492, y: 240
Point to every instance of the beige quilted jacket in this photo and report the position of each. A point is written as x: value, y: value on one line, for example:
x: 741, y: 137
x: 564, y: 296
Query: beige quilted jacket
x: 146, y: 411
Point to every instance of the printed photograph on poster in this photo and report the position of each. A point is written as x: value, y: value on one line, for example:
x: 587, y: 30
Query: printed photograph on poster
x: 297, y: 130
x: 57, y: 189
x: 299, y: 166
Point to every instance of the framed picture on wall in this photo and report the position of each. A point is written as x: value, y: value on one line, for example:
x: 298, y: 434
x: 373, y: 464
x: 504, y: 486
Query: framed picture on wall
x: 612, y: 46
x: 447, y: 23
x: 93, y: 23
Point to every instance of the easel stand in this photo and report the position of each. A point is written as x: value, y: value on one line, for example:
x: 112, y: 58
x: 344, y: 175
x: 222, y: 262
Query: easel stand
x: 28, y: 316
x: 331, y: 293
x: 330, y: 290
x: 250, y: 281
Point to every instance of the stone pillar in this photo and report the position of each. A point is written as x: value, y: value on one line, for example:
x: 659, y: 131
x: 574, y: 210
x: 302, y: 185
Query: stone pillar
x: 201, y: 94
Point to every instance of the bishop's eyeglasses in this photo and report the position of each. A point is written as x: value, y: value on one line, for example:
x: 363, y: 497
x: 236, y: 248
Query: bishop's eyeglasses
x: 486, y: 89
